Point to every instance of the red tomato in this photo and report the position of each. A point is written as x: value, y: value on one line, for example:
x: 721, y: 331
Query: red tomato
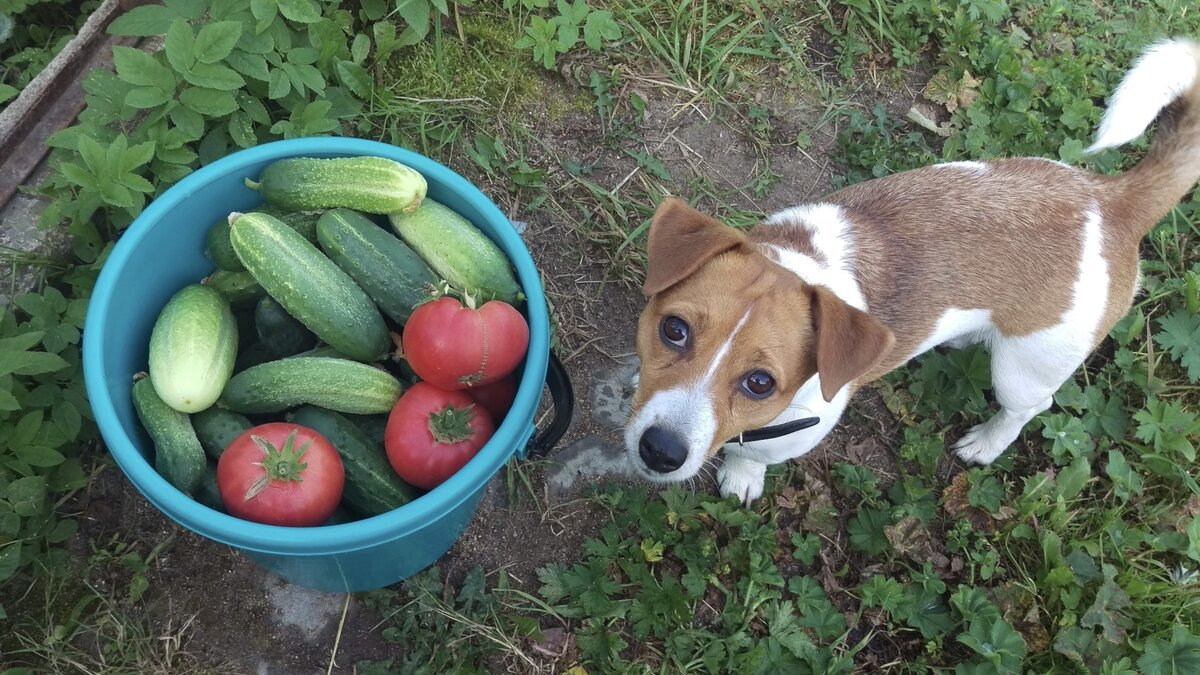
x: 496, y: 397
x: 281, y: 474
x: 455, y: 347
x: 432, y: 433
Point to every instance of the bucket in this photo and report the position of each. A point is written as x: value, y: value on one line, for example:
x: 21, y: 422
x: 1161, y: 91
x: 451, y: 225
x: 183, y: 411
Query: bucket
x: 162, y: 251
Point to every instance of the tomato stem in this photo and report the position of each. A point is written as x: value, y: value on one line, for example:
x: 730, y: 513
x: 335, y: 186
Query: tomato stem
x: 279, y: 464
x: 451, y: 425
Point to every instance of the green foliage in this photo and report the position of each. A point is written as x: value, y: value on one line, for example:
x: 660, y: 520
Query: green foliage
x: 551, y: 38
x: 44, y: 419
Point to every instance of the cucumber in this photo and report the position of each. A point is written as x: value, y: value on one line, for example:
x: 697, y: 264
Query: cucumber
x: 338, y: 384
x: 374, y: 426
x: 310, y: 286
x: 192, y: 348
x: 372, y: 486
x: 320, y: 350
x: 247, y: 335
x: 239, y: 288
x: 256, y: 354
x: 282, y: 334
x: 458, y: 252
x: 216, y: 428
x: 389, y: 271
x: 178, y: 455
x: 219, y: 248
x: 207, y: 492
x: 370, y: 184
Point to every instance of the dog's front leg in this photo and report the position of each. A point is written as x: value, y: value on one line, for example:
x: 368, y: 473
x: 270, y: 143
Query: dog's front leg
x: 741, y: 477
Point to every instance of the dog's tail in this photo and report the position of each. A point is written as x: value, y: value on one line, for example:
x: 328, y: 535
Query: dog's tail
x: 1163, y: 84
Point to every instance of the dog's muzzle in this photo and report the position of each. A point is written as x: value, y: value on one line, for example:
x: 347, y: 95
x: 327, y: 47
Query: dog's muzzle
x: 661, y: 450
x: 664, y: 451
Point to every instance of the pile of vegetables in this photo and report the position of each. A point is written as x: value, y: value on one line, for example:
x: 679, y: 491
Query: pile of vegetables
x: 354, y: 347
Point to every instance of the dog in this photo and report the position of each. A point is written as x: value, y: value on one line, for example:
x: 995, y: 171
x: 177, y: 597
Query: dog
x: 1032, y: 258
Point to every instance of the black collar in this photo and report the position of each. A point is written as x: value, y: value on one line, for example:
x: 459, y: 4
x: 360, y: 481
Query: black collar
x: 767, y: 433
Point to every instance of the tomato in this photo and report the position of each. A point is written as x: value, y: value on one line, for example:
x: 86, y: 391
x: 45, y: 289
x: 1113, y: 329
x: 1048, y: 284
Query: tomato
x: 496, y: 397
x: 432, y: 433
x: 453, y: 346
x: 281, y: 474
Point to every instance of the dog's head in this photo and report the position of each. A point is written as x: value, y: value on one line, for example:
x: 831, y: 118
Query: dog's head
x: 726, y: 340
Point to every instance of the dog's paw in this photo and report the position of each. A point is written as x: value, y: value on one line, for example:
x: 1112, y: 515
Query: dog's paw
x: 979, y: 446
x: 742, y: 478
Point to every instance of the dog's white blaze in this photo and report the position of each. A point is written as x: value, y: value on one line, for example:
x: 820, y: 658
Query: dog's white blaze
x: 833, y: 239
x: 977, y: 168
x: 1160, y: 75
x: 688, y: 411
x: 724, y: 350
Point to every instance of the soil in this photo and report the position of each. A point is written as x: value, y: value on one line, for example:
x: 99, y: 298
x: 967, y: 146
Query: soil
x: 238, y: 618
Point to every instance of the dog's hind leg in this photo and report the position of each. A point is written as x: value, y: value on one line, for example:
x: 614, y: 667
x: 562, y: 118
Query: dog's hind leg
x: 1026, y: 371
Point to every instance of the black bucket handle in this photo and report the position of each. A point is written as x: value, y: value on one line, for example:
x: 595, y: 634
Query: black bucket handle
x: 563, y: 398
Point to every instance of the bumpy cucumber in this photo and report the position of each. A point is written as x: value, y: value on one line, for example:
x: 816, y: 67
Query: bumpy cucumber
x: 178, y: 455
x: 216, y: 428
x: 282, y: 334
x: 373, y: 426
x: 192, y: 348
x: 370, y: 184
x: 389, y: 271
x: 207, y: 492
x: 372, y: 486
x: 338, y: 384
x: 310, y: 286
x: 219, y: 248
x: 458, y: 252
x: 239, y: 288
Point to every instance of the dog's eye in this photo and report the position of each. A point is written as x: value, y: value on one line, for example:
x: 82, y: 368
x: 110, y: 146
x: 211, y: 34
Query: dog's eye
x: 759, y: 384
x: 674, y: 331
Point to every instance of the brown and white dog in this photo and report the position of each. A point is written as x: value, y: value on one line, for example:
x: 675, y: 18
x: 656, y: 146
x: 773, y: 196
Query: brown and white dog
x: 1032, y: 258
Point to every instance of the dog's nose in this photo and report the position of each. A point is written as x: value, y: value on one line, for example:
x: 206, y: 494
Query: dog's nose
x: 661, y: 450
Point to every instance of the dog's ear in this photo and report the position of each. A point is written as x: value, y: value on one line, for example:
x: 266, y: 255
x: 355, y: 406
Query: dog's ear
x: 681, y: 240
x: 850, y: 342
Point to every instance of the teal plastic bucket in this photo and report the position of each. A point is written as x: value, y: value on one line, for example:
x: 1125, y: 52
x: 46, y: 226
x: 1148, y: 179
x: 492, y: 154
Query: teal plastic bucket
x: 162, y: 251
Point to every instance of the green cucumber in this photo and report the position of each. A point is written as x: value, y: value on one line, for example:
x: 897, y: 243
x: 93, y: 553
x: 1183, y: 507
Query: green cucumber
x: 310, y: 286
x: 279, y: 331
x: 239, y: 288
x: 219, y: 248
x: 178, y: 455
x: 372, y: 486
x: 338, y: 384
x: 217, y: 428
x: 192, y: 348
x: 374, y: 426
x: 370, y: 184
x: 389, y: 271
x: 320, y: 350
x: 458, y: 252
x: 256, y: 354
x: 207, y: 492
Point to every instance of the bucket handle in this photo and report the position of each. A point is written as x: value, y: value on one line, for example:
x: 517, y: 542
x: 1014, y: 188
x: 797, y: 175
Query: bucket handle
x: 563, y: 398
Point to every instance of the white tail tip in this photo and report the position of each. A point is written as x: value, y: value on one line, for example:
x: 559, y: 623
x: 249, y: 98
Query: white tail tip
x: 1163, y: 73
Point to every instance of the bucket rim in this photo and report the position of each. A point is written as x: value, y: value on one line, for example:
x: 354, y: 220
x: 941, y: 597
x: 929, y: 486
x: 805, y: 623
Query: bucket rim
x: 446, y: 498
